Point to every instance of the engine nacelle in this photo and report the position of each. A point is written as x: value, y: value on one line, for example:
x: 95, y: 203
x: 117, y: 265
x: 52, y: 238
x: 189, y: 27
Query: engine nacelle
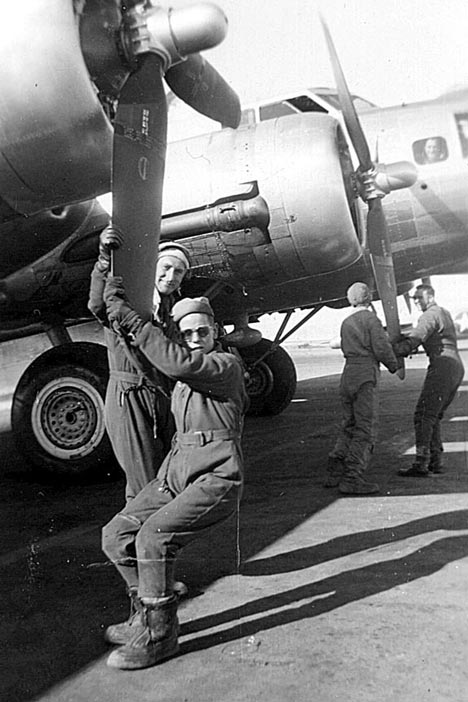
x: 299, y: 166
x: 53, y: 125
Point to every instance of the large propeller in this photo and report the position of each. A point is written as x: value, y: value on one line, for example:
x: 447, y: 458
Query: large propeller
x: 157, y: 44
x: 138, y: 159
x: 375, y: 181
x: 197, y: 83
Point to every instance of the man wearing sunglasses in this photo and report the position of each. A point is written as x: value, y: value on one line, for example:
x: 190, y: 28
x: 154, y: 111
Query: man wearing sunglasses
x: 435, y: 331
x: 199, y: 484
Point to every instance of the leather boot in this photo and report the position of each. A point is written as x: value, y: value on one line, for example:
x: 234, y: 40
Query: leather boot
x: 335, y: 471
x: 435, y: 463
x: 154, y: 642
x: 120, y: 633
x: 124, y: 632
x: 418, y: 469
x: 353, y: 483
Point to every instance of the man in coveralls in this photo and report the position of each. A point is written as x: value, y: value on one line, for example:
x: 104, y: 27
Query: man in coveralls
x: 137, y: 407
x: 436, y: 332
x: 198, y: 485
x: 365, y: 344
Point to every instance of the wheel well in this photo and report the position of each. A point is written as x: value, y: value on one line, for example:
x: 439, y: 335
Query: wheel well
x: 83, y: 353
x: 59, y: 426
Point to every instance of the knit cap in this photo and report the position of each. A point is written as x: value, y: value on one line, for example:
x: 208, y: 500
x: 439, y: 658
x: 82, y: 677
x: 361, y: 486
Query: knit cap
x: 358, y: 294
x: 169, y: 248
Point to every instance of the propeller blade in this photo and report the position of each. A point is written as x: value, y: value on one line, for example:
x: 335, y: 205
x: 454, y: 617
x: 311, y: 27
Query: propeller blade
x: 377, y: 232
x: 384, y: 273
x: 139, y: 152
x: 382, y: 263
x: 351, y: 119
x: 197, y: 83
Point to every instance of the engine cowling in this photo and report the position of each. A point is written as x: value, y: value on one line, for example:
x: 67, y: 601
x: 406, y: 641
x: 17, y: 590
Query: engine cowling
x: 299, y: 166
x: 53, y: 125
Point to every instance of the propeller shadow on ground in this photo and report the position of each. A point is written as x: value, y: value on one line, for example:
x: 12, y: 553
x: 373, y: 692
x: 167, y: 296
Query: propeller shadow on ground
x: 327, y: 595
x: 303, y: 558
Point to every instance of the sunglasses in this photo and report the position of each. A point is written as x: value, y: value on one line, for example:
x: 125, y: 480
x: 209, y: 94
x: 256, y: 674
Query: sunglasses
x: 201, y: 332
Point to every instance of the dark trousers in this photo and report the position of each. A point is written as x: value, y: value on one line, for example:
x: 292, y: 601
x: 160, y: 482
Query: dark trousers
x: 143, y: 540
x: 441, y: 383
x: 357, y: 436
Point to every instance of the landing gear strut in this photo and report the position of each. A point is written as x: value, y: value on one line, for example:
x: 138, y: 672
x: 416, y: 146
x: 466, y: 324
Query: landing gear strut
x: 271, y: 382
x: 272, y: 378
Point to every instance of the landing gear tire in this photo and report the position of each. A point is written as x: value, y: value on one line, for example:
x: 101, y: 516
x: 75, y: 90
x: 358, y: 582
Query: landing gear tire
x: 58, y: 412
x: 271, y: 382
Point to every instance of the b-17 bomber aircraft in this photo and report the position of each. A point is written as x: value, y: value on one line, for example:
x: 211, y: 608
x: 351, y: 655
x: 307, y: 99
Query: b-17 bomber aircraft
x: 281, y: 209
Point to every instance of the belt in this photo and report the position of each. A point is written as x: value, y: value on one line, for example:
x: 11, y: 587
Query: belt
x: 446, y: 352
x: 201, y: 438
x: 361, y: 361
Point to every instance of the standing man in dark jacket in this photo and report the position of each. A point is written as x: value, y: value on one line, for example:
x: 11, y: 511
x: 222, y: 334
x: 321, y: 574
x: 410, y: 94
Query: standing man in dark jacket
x: 365, y: 345
x: 436, y: 332
x: 199, y: 484
x: 137, y: 407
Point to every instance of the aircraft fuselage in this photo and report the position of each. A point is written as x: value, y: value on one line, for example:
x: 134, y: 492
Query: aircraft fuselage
x: 313, y: 244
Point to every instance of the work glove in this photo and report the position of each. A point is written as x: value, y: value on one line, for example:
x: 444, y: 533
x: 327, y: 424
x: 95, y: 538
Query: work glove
x: 114, y: 287
x: 122, y: 318
x: 120, y: 314
x: 402, y: 347
x: 110, y: 239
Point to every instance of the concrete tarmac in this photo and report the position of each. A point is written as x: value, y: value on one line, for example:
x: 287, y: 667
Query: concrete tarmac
x: 306, y: 595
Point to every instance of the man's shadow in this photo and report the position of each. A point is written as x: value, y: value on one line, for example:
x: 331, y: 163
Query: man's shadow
x: 337, y: 590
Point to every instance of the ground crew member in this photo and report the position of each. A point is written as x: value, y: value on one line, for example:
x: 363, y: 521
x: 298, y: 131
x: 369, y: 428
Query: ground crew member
x: 199, y: 484
x: 436, y: 332
x: 365, y: 344
x: 137, y: 406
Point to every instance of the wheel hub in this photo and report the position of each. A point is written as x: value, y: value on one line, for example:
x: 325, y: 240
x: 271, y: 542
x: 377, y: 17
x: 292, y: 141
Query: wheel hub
x: 260, y: 380
x: 67, y: 418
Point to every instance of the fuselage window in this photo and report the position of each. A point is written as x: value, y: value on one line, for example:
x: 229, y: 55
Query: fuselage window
x: 430, y: 150
x: 462, y: 126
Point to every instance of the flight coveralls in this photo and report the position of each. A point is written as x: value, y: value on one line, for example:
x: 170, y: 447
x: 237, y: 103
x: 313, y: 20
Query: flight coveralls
x: 200, y: 482
x: 436, y: 332
x: 137, y: 406
x: 365, y: 345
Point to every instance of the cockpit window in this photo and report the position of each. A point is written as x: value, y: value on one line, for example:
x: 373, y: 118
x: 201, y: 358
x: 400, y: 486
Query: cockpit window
x: 247, y: 117
x: 304, y: 103
x: 332, y: 98
x: 462, y: 126
x: 276, y: 109
x: 433, y: 149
